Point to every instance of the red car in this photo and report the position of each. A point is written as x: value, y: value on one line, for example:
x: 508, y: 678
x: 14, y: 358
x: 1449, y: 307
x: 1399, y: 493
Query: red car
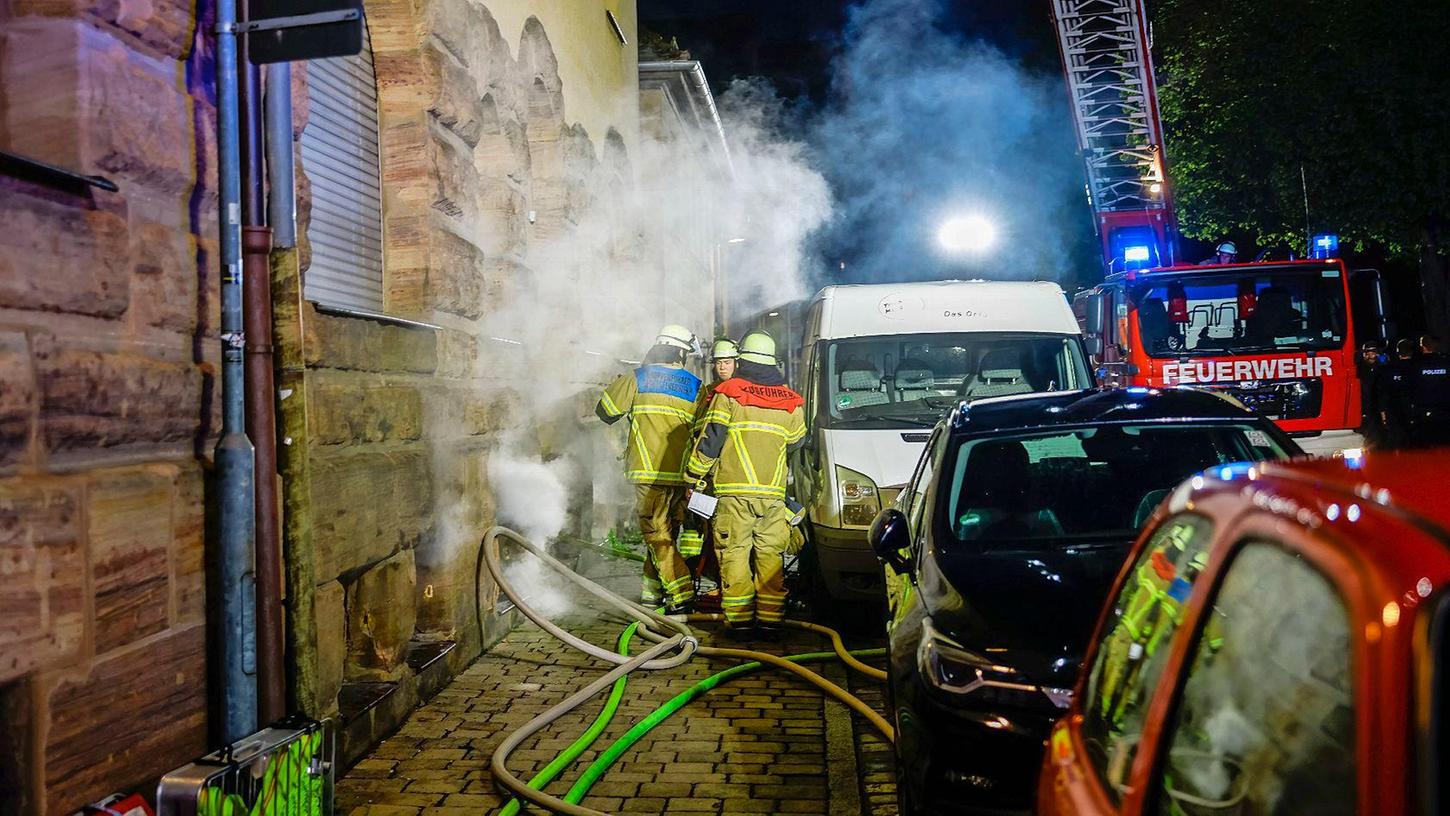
x: 1278, y: 643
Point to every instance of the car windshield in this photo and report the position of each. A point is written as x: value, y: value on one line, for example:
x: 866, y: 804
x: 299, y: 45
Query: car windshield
x: 1045, y: 490
x: 909, y: 380
x: 1284, y: 309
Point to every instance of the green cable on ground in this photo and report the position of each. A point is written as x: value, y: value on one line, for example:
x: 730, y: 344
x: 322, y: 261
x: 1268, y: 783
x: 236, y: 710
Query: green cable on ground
x: 580, y: 745
x: 599, y: 766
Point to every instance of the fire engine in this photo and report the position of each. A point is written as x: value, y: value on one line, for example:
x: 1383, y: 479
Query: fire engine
x: 1276, y: 335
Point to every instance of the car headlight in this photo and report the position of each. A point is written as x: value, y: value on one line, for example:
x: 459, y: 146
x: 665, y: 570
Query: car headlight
x: 860, y: 500
x: 948, y: 667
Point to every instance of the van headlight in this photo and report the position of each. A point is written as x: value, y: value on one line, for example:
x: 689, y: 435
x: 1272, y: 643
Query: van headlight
x: 860, y: 500
x: 948, y: 667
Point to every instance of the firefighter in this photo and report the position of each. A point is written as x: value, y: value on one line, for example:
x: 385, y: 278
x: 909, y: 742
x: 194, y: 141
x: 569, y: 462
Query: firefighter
x: 751, y: 422
x: 724, y: 354
x: 1224, y: 253
x: 659, y: 400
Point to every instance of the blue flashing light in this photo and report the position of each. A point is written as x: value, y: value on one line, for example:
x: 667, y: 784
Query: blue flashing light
x: 1136, y: 254
x: 1226, y: 473
x: 1324, y: 246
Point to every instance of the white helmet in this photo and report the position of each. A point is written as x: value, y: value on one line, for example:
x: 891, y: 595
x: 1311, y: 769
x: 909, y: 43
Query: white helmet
x: 677, y: 336
x: 1227, y: 248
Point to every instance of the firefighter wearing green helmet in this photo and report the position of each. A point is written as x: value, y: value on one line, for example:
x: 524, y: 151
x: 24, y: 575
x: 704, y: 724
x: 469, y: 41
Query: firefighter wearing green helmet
x: 750, y: 424
x: 658, y: 399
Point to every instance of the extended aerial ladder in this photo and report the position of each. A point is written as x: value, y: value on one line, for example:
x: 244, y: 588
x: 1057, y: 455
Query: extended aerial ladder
x: 1106, y: 57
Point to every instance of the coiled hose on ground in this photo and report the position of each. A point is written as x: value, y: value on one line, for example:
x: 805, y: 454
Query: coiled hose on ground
x: 674, y: 644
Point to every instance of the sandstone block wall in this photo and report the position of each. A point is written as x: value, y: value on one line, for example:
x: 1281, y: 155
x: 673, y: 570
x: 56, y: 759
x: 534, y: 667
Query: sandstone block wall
x: 394, y: 425
x: 108, y: 307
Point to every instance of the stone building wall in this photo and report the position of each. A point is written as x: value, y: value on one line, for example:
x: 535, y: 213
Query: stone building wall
x: 399, y: 424
x: 108, y: 314
x: 509, y: 131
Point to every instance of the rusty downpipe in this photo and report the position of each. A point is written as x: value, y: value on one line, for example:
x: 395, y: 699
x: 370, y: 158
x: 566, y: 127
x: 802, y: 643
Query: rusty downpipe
x: 261, y: 418
x: 262, y: 428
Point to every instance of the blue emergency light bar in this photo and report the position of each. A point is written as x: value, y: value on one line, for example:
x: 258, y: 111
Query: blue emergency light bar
x: 1135, y: 254
x: 1324, y: 246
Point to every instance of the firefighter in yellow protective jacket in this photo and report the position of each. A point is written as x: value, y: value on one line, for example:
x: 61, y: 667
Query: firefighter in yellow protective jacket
x: 751, y: 423
x: 659, y: 400
x: 724, y: 355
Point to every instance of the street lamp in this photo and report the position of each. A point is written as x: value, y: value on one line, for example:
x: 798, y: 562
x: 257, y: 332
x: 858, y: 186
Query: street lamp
x: 967, y: 233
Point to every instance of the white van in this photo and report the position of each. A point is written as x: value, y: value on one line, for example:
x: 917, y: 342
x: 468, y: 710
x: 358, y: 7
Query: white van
x: 880, y: 365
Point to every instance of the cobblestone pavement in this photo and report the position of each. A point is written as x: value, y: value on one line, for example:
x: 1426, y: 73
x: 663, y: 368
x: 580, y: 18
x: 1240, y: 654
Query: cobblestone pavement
x: 765, y: 742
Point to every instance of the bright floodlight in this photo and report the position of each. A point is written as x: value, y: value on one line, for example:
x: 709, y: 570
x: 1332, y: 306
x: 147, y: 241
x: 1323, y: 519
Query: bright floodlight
x: 967, y: 233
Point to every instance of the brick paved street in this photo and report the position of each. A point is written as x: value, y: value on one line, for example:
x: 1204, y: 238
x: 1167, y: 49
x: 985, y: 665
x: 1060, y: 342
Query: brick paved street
x: 762, y: 743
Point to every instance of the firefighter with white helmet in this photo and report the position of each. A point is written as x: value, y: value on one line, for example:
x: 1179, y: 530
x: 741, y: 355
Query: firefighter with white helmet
x: 658, y: 398
x: 724, y: 354
x: 1224, y: 253
x: 761, y: 419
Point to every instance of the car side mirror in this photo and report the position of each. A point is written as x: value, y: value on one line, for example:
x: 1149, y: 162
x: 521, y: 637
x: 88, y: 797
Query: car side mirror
x: 890, y: 539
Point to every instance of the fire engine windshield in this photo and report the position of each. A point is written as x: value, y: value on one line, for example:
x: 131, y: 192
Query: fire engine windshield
x: 909, y: 380
x: 1263, y: 310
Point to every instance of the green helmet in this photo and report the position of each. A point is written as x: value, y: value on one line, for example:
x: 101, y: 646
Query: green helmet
x: 758, y: 347
x: 724, y: 349
x: 679, y: 337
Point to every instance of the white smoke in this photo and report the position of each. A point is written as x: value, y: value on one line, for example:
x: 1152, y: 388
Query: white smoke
x: 533, y: 499
x: 924, y: 124
x: 632, y: 258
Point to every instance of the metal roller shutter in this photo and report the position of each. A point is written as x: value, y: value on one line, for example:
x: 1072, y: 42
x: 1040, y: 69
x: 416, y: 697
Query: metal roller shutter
x: 340, y: 157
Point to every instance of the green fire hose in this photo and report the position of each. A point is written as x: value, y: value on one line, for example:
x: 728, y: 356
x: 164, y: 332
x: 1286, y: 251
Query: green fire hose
x: 602, y: 763
x: 668, y: 651
x: 579, y: 746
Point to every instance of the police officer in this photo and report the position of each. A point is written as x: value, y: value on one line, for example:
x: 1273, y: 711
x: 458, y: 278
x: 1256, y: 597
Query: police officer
x: 659, y: 400
x: 761, y: 419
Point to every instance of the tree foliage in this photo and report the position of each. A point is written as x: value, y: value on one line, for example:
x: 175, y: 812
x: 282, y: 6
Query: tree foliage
x: 1356, y: 92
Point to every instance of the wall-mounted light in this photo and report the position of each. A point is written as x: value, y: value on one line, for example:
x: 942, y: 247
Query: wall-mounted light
x: 533, y: 216
x: 618, y: 29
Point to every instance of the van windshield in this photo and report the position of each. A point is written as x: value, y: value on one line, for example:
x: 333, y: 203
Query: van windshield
x: 905, y: 381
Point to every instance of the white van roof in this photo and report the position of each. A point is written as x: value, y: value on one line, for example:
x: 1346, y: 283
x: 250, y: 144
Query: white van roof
x: 944, y: 306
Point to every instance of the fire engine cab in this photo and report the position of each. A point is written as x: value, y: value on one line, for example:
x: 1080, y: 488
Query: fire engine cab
x: 1276, y: 336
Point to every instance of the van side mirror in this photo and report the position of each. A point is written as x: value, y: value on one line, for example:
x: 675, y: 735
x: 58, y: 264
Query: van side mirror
x: 890, y: 539
x: 1094, y: 343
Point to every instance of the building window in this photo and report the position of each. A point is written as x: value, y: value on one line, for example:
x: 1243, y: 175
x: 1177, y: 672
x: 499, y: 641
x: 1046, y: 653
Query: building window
x: 340, y: 157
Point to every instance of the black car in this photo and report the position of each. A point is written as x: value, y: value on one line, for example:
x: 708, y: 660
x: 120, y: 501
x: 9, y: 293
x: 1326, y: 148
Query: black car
x: 999, y: 555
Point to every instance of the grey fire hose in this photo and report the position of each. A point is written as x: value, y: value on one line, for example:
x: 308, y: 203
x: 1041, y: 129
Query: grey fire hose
x: 680, y: 639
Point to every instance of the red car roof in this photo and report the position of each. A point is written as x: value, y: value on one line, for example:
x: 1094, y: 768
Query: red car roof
x: 1417, y: 483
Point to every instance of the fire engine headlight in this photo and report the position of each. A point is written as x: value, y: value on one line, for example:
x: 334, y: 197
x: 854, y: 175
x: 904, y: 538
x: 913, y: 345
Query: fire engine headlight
x: 860, y: 500
x: 948, y: 667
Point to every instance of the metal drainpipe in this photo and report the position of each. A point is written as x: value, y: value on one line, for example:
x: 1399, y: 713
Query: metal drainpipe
x: 235, y: 635
x: 282, y: 205
x: 261, y: 416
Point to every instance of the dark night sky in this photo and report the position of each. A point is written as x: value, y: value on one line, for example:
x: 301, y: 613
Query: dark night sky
x: 792, y: 43
x: 954, y: 124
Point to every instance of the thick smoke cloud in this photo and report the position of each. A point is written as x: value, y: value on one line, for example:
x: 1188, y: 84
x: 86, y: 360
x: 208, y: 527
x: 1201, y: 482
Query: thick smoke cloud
x: 626, y: 261
x: 922, y: 125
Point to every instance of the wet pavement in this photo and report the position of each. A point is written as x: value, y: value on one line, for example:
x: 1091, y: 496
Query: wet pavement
x: 765, y: 742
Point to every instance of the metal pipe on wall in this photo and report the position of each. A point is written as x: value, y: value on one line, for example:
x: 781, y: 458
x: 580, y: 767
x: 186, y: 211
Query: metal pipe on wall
x: 261, y: 410
x: 234, y: 605
x: 282, y: 203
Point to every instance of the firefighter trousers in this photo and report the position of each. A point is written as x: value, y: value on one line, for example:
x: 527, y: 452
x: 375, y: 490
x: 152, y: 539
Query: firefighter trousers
x: 661, y: 512
x: 751, y: 536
